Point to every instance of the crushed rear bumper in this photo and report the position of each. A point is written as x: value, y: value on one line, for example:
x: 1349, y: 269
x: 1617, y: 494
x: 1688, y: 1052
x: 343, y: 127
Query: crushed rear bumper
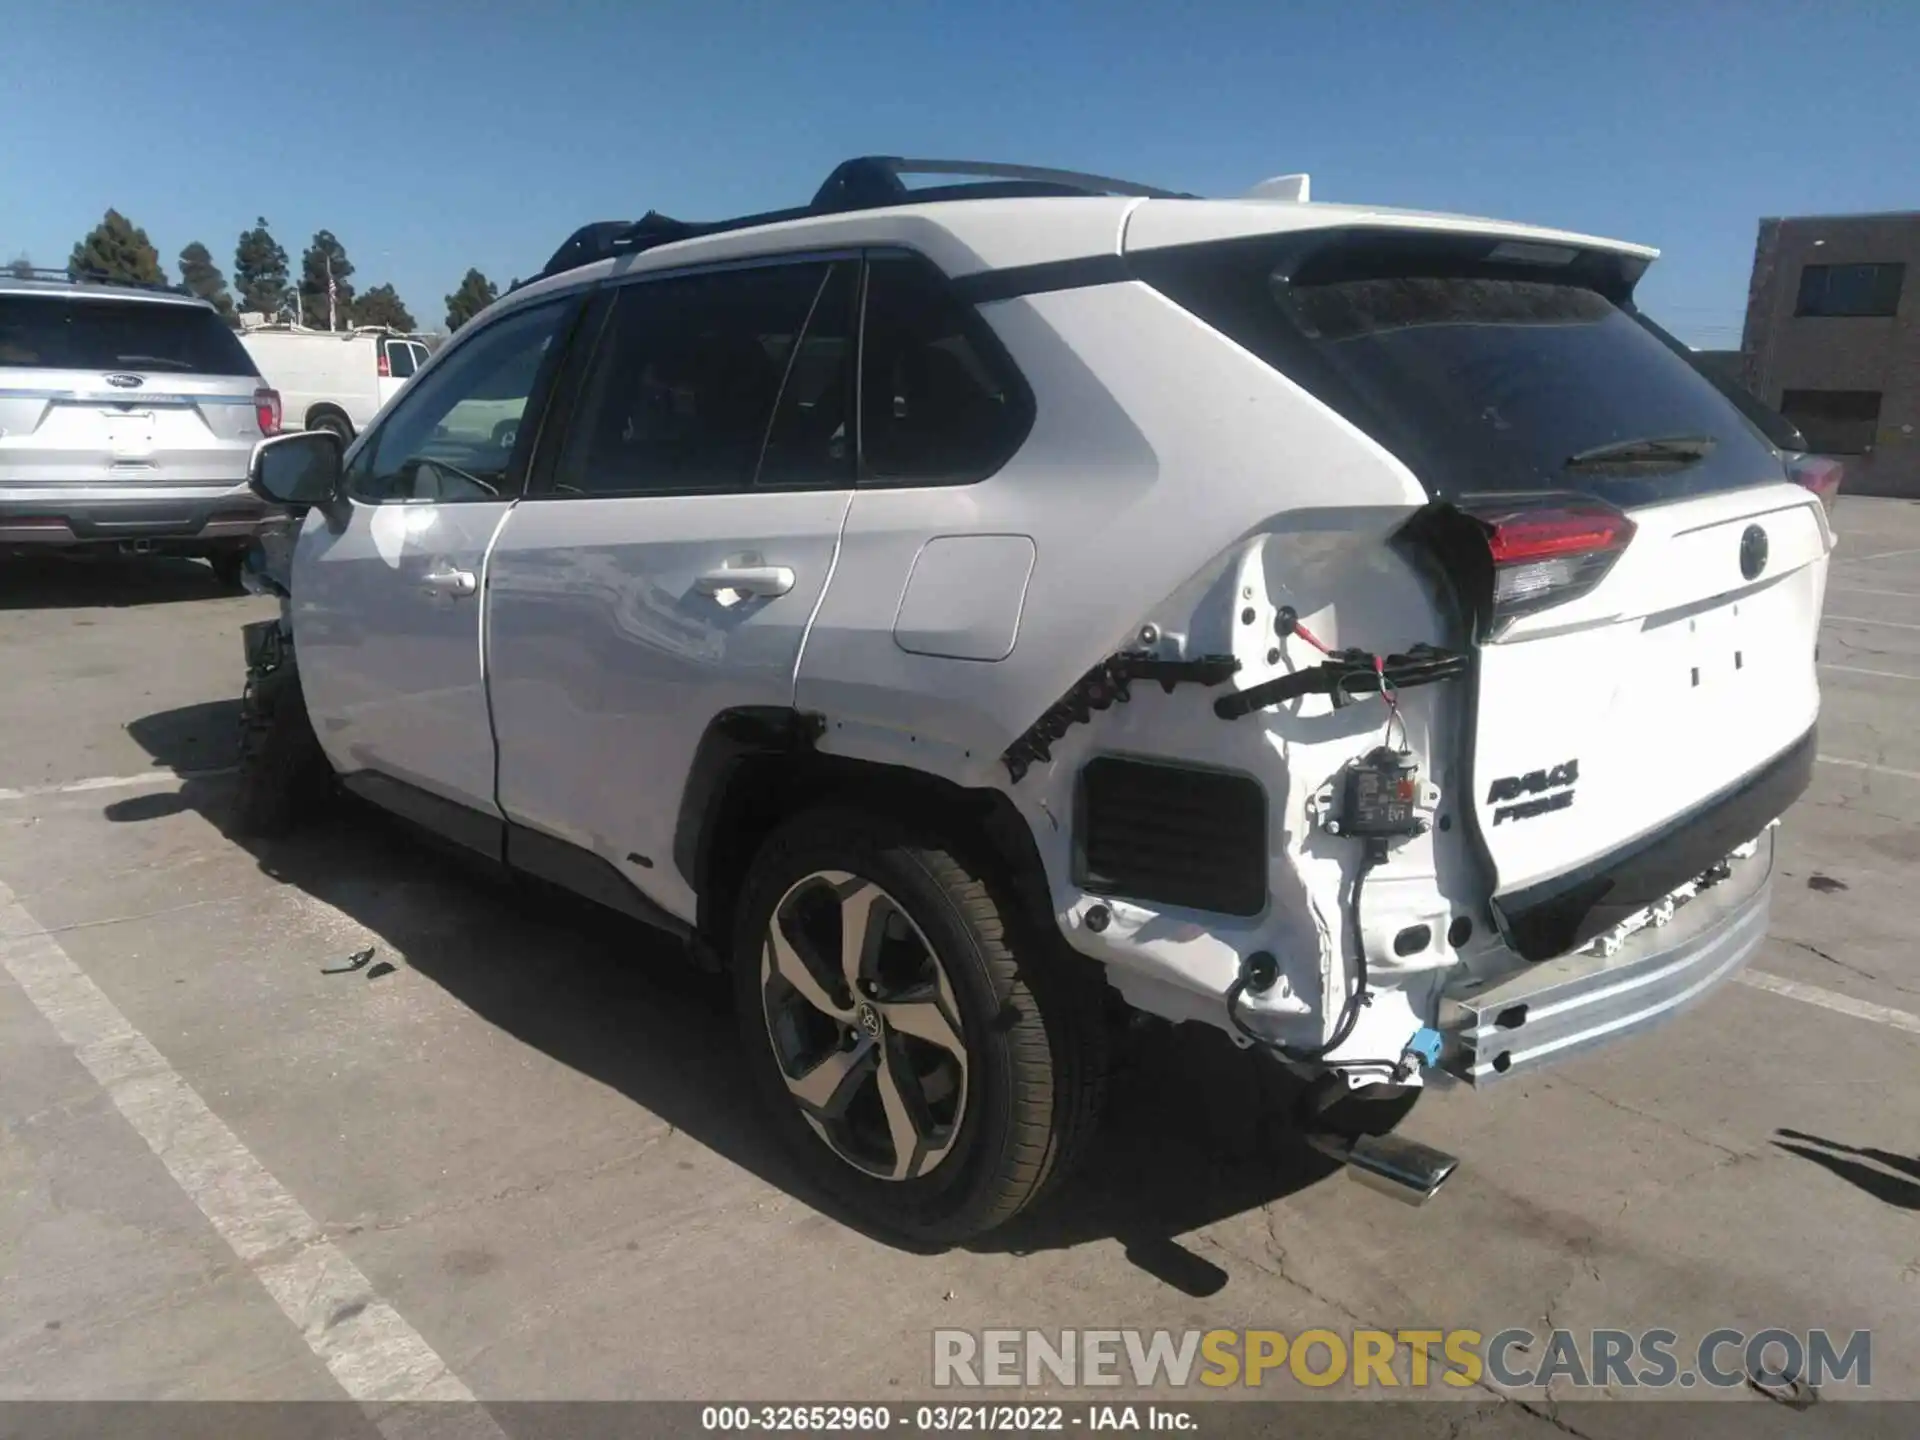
x: 1562, y: 1007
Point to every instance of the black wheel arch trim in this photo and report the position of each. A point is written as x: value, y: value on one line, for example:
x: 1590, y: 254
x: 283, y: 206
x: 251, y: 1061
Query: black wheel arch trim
x: 766, y: 757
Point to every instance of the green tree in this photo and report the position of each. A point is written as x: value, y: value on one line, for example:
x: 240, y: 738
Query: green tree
x: 382, y: 306
x: 21, y: 266
x: 476, y: 292
x: 324, y: 254
x: 202, y: 277
x: 117, y: 249
x: 260, y: 271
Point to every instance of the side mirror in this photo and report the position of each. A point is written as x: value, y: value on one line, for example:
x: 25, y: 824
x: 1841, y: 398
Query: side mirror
x: 300, y: 468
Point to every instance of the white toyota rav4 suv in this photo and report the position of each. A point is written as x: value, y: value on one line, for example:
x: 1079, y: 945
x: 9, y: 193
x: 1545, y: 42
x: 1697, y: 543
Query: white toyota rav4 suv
x: 974, y: 615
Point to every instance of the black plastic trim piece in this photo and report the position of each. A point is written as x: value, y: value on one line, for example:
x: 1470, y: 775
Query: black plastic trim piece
x: 1080, y: 273
x: 1101, y: 688
x: 514, y: 847
x: 1553, y: 916
x: 449, y: 819
x: 562, y: 863
x: 731, y: 737
x: 1169, y: 834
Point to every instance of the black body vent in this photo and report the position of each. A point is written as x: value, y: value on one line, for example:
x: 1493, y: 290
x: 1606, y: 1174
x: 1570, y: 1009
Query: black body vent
x: 1173, y: 835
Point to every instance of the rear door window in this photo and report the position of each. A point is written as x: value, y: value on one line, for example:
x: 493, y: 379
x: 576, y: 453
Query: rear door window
x: 810, y: 441
x: 681, y: 394
x: 1481, y: 375
x: 60, y: 332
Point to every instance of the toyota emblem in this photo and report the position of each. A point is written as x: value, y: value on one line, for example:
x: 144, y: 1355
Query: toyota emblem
x: 1753, y: 552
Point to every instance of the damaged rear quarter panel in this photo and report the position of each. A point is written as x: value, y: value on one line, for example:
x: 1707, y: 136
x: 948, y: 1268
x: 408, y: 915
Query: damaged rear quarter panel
x: 1174, y: 480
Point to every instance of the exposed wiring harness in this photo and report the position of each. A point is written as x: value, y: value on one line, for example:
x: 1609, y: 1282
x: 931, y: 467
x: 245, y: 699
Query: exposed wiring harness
x: 1289, y: 623
x: 1346, y: 675
x: 1343, y: 676
x: 1358, y: 996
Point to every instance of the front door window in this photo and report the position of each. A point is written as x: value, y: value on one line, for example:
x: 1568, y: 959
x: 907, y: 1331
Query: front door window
x: 456, y: 434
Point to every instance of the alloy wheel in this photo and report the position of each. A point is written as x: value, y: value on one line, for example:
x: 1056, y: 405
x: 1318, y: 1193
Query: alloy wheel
x: 864, y: 1025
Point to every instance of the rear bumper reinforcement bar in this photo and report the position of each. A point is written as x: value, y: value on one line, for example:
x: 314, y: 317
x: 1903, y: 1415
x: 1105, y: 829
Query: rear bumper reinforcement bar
x: 1562, y: 1007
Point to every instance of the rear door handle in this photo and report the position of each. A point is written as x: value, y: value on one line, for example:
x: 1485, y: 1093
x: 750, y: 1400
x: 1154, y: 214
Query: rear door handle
x: 768, y: 580
x: 449, y: 582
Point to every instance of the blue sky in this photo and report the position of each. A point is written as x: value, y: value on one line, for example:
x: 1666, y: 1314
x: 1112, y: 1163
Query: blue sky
x: 431, y: 135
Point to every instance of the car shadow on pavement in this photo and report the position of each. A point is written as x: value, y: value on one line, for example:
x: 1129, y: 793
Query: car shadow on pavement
x: 72, y: 582
x: 1894, y: 1179
x: 1195, y: 1131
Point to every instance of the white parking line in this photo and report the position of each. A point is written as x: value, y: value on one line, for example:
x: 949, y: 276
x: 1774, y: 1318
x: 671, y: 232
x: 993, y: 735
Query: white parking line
x: 1856, y: 670
x: 1883, y: 555
x: 377, y: 1357
x: 1863, y: 590
x: 1863, y: 620
x: 111, y: 782
x: 1830, y: 1000
x: 1868, y: 765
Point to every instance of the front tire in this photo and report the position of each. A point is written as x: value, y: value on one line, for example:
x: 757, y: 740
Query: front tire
x: 284, y: 775
x: 933, y: 1070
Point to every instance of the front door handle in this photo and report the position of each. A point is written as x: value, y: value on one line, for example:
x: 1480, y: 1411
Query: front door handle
x: 449, y: 582
x: 768, y: 580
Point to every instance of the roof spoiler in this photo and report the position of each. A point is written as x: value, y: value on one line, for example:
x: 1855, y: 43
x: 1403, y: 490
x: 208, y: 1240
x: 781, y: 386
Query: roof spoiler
x: 1296, y: 188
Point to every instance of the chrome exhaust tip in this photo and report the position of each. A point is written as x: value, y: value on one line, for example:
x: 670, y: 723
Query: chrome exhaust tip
x: 1410, y: 1172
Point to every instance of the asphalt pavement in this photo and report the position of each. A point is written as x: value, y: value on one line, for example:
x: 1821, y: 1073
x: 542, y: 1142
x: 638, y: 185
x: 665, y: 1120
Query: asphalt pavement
x: 514, y: 1157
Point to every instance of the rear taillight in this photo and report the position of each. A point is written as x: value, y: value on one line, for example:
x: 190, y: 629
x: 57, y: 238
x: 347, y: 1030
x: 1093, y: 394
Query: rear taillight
x: 386, y: 370
x: 1549, y: 552
x: 266, y: 410
x: 1818, y: 474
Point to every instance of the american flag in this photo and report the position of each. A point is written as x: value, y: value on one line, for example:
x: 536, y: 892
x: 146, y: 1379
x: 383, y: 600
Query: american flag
x: 332, y: 294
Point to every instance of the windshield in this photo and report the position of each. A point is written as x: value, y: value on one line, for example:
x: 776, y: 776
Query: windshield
x: 60, y: 332
x: 1484, y: 378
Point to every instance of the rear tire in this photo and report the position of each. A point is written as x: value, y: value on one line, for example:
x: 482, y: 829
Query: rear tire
x: 1031, y: 1071
x: 333, y: 422
x: 284, y: 775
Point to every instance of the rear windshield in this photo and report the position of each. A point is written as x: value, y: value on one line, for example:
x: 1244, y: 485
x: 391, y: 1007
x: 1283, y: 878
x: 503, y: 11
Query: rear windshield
x: 58, y: 332
x: 1482, y: 376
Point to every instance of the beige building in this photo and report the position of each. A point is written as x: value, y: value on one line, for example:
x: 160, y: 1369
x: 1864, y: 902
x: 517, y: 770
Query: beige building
x: 1832, y: 339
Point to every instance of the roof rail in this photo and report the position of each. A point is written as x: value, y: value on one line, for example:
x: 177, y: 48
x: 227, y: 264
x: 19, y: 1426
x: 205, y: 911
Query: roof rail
x: 88, y: 277
x: 870, y: 181
x: 867, y: 182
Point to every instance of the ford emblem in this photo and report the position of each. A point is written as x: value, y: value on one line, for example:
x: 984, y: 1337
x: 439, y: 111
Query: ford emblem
x: 125, y: 382
x: 1753, y: 552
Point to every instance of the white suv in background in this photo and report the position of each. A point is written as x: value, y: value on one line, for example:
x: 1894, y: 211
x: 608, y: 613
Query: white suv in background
x: 128, y: 415
x: 972, y: 615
